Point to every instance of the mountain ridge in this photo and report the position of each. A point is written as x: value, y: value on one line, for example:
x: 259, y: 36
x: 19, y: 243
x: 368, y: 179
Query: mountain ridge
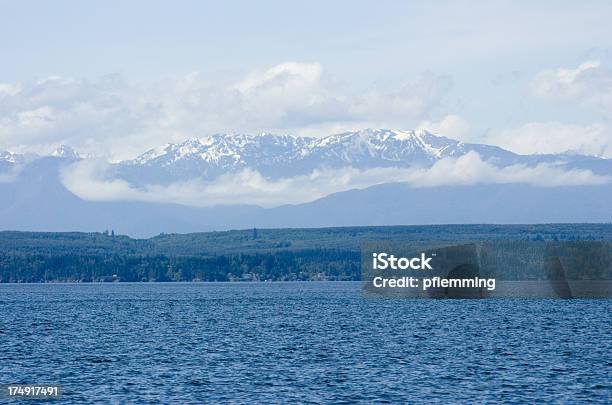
x: 214, y: 147
x: 281, y: 156
x: 35, y: 197
x: 285, y: 156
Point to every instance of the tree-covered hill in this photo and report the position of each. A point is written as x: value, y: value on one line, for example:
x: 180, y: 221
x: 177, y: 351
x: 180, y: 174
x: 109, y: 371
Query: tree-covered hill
x: 252, y: 254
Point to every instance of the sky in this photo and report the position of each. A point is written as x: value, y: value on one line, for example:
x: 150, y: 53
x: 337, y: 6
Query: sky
x: 114, y: 79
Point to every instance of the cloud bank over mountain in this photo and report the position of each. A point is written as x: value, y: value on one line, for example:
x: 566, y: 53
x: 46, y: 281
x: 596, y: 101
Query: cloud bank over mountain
x: 369, y: 177
x: 86, y: 179
x: 117, y: 118
x: 114, y: 117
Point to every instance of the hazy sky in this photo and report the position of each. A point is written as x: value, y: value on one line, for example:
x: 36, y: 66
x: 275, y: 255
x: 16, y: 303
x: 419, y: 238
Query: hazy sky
x: 116, y: 78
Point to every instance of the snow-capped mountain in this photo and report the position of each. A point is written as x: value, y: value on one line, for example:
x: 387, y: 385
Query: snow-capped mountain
x: 9, y: 161
x: 6, y: 156
x: 9, y: 158
x: 66, y: 152
x: 36, y: 195
x: 282, y: 155
x: 214, y: 155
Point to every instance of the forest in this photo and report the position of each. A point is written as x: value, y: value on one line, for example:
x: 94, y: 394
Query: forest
x: 240, y: 255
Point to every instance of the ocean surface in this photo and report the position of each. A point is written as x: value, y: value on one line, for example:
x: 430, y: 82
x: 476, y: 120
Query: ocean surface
x: 299, y: 343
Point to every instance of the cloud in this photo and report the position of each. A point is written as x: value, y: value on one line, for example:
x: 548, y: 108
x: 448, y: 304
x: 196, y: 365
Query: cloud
x: 415, y: 99
x: 9, y: 177
x: 288, y: 76
x: 39, y: 116
x: 8, y: 90
x: 589, y: 84
x: 555, y: 137
x: 88, y: 180
x: 587, y: 87
x: 112, y: 117
x: 452, y: 126
x: 470, y: 169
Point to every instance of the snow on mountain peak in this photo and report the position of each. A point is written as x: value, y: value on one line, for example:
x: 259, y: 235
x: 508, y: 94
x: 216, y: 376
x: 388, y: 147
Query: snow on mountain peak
x: 277, y: 156
x: 345, y: 146
x: 6, y: 156
x: 403, y: 135
x: 65, y: 152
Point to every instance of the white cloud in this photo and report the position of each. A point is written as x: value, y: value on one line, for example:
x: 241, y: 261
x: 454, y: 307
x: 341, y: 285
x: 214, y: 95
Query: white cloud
x: 112, y: 117
x: 470, y: 169
x: 452, y: 126
x: 555, y: 137
x: 8, y: 90
x: 587, y: 87
x: 87, y: 179
x: 283, y: 77
x: 410, y: 100
x: 589, y: 84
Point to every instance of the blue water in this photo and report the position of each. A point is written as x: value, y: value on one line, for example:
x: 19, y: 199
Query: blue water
x: 299, y: 342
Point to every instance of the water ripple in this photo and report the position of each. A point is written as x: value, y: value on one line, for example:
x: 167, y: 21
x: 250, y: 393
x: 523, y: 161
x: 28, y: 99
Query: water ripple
x: 300, y: 343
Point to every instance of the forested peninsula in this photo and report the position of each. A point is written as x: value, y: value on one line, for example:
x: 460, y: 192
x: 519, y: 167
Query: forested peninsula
x: 240, y: 255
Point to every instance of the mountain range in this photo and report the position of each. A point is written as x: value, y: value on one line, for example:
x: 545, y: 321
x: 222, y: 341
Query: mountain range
x: 278, y: 156
x: 35, y: 195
